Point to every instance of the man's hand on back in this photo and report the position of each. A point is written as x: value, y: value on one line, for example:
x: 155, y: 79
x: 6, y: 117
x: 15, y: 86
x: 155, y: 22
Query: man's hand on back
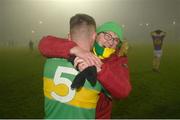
x: 88, y: 57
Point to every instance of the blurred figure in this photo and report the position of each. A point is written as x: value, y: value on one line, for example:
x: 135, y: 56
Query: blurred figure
x: 158, y: 37
x: 124, y: 48
x: 11, y: 43
x: 31, y: 45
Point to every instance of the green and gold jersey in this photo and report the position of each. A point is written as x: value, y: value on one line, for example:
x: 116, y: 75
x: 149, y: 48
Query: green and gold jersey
x: 60, y: 100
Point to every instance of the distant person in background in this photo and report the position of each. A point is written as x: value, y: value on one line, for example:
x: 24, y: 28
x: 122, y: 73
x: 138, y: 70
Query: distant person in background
x: 31, y: 45
x: 11, y: 43
x: 158, y: 37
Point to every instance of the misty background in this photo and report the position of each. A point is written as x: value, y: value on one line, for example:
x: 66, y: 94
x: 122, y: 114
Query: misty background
x: 25, y: 20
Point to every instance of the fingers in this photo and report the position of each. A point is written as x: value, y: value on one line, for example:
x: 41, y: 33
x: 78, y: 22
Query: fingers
x: 88, y: 59
x: 97, y: 61
x: 98, y: 68
x: 91, y: 59
x: 87, y: 56
x: 82, y: 66
x: 80, y: 63
x: 77, y: 61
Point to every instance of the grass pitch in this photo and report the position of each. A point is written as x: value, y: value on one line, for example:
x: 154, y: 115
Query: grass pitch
x: 154, y: 95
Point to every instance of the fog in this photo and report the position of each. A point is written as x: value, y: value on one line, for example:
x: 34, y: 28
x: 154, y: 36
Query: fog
x: 24, y: 20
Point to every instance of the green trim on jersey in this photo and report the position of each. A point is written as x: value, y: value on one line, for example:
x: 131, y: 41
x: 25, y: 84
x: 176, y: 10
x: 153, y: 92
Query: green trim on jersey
x: 81, y: 104
x: 54, y: 109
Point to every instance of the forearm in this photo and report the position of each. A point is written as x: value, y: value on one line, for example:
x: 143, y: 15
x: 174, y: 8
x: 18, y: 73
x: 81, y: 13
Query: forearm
x: 55, y: 47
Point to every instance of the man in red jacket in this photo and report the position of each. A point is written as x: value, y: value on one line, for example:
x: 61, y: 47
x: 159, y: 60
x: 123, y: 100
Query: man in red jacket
x: 113, y: 74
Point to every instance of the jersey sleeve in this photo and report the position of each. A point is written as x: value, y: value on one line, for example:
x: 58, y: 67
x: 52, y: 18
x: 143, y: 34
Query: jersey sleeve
x: 51, y: 46
x: 114, y: 77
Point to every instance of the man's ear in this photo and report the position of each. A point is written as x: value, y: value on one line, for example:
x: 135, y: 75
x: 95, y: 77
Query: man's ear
x: 94, y: 35
x: 69, y: 37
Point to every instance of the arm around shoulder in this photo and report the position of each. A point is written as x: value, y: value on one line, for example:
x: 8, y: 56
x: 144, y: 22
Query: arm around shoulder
x: 51, y: 46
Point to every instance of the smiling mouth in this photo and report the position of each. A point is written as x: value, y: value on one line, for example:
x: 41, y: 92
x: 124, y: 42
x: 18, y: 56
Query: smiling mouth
x: 101, y: 45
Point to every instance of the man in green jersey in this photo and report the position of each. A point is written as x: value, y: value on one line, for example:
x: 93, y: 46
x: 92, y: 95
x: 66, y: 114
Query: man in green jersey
x: 60, y: 100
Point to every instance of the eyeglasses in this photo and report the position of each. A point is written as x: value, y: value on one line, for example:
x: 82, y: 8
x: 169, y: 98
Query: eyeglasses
x: 109, y: 37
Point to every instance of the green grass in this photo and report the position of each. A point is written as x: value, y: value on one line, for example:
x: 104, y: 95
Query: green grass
x: 154, y: 95
x: 21, y: 84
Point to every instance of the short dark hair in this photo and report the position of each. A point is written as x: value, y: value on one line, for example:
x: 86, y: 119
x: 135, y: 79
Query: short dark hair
x: 82, y: 21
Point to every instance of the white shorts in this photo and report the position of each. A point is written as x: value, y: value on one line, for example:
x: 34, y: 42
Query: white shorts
x: 158, y: 53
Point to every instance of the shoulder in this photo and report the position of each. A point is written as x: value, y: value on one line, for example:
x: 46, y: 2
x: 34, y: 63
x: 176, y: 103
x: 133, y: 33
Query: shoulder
x: 50, y: 37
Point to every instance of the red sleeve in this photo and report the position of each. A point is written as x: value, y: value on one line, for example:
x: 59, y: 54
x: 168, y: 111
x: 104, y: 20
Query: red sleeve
x: 50, y: 46
x: 104, y: 107
x: 114, y: 76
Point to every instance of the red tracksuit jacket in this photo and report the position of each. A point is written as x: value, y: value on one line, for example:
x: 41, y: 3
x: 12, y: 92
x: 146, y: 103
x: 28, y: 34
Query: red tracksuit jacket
x: 114, y: 75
